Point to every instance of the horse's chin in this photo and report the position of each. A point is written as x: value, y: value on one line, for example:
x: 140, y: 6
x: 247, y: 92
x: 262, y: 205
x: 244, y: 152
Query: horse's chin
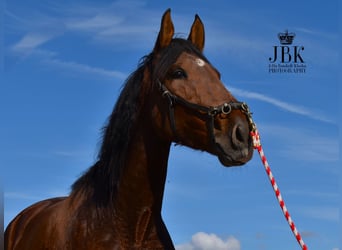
x: 227, y: 161
x: 234, y: 158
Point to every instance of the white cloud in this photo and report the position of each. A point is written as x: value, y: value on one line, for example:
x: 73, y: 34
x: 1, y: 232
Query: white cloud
x: 29, y: 196
x: 296, y: 109
x: 31, y: 41
x: 303, y: 144
x: 204, y: 241
x: 324, y: 196
x: 110, y: 26
x: 83, y: 68
x: 127, y: 23
x: 99, y: 21
x: 322, y: 213
x: 314, y: 149
x: 21, y: 196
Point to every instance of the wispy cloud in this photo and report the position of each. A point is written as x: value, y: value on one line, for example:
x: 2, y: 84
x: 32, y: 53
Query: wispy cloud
x: 296, y: 109
x: 83, y: 68
x: 114, y: 29
x: 303, y: 144
x: 316, y: 33
x: 99, y: 21
x: 324, y: 196
x: 320, y: 149
x: 33, y: 197
x: 204, y: 241
x: 127, y: 23
x: 321, y: 213
x: 21, y: 196
x: 30, y: 45
x: 31, y: 41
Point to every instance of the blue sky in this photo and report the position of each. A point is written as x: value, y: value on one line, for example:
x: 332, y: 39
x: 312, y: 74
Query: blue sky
x: 65, y: 63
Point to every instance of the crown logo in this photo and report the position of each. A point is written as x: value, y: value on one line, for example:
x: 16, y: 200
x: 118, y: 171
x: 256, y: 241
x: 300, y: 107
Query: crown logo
x: 286, y: 37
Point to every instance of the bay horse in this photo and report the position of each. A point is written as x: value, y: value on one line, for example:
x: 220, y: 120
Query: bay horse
x: 175, y: 95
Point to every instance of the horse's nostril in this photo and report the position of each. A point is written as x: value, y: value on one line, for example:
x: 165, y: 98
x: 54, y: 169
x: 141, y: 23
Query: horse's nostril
x: 238, y: 133
x: 239, y: 136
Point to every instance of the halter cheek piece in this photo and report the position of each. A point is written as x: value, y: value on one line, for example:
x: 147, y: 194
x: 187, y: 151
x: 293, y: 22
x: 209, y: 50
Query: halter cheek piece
x: 210, y: 112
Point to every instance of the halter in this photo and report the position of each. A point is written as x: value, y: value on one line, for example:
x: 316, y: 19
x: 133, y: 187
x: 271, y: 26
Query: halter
x: 210, y: 112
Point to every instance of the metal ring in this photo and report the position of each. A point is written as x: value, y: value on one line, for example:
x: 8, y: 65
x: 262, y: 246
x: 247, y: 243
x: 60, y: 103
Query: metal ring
x: 244, y: 107
x: 224, y: 108
x: 166, y: 92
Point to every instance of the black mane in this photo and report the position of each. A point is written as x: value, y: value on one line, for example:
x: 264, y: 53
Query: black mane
x: 99, y: 182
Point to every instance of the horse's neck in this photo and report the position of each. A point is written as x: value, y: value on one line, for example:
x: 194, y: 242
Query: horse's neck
x: 143, y: 177
x: 140, y: 190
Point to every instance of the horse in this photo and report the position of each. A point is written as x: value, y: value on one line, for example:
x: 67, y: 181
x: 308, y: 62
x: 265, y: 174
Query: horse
x: 174, y: 96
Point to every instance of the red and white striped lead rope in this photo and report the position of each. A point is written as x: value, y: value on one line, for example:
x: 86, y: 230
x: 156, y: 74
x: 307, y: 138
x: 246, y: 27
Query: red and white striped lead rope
x: 257, y: 145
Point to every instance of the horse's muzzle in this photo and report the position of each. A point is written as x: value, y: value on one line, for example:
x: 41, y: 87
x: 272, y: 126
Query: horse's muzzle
x: 235, y: 148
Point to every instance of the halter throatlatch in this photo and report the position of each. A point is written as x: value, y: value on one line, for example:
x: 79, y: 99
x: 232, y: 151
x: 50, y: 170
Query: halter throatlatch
x: 209, y: 112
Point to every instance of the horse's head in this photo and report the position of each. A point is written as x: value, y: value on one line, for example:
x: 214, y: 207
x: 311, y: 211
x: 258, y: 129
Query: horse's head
x: 194, y: 108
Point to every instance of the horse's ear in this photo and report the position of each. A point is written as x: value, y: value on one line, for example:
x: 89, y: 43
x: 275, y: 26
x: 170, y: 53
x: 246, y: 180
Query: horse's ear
x: 166, y: 32
x: 197, y: 33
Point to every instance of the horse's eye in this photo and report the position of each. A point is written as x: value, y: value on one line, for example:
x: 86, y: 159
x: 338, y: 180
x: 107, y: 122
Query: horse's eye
x: 179, y: 74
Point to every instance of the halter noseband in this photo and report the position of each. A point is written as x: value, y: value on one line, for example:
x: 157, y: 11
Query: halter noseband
x: 211, y: 112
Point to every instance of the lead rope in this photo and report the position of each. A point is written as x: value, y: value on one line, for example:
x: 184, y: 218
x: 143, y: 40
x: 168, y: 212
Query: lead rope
x: 257, y: 145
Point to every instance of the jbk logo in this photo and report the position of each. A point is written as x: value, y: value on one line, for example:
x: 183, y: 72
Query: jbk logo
x: 287, y: 54
x: 287, y: 58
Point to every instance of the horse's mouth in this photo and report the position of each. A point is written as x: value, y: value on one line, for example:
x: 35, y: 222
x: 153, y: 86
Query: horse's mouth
x: 235, y: 158
x: 227, y: 161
